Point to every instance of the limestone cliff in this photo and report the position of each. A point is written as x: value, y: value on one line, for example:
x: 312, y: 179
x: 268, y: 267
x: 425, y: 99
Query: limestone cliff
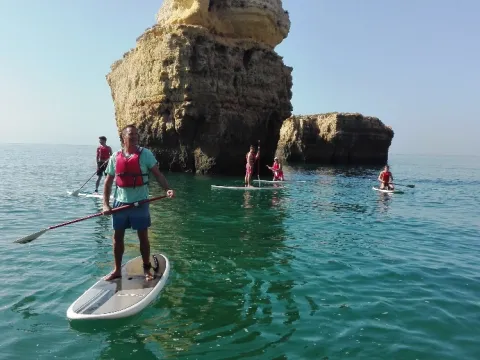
x: 202, y: 88
x: 334, y: 138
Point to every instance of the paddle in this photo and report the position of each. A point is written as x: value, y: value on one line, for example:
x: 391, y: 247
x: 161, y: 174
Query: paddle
x: 75, y: 193
x: 33, y: 236
x: 410, y: 186
x: 258, y: 166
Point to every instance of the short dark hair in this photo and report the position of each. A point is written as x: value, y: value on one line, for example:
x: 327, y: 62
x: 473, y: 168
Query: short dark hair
x: 102, y: 138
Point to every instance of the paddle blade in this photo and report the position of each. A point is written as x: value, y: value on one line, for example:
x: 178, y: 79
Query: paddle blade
x: 31, y: 237
x: 75, y: 193
x: 411, y: 186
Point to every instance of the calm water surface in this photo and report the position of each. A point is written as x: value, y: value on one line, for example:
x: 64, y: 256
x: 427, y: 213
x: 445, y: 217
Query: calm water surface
x: 325, y: 269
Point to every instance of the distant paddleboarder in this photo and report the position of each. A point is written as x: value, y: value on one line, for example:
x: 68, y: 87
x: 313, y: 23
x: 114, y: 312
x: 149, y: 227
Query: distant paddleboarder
x: 386, y: 179
x: 277, y: 170
x: 103, y: 154
x: 251, y: 158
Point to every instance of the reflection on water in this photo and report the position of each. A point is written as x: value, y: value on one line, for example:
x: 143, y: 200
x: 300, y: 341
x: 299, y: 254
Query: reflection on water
x: 246, y: 200
x: 384, y: 200
x: 221, y: 255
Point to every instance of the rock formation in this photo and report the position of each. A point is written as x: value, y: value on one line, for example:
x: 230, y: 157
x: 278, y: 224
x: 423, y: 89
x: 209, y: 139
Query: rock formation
x: 204, y: 83
x: 334, y: 138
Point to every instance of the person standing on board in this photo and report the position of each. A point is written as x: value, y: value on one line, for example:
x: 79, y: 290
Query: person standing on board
x: 251, y: 158
x: 103, y: 154
x: 130, y: 167
x: 277, y: 170
x: 386, y: 179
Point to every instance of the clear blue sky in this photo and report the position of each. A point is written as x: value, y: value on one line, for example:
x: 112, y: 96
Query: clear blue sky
x: 414, y: 64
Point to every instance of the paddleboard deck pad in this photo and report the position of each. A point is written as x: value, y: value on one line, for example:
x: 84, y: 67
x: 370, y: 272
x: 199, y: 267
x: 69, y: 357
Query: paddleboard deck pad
x: 388, y: 191
x: 247, y: 188
x: 123, y: 296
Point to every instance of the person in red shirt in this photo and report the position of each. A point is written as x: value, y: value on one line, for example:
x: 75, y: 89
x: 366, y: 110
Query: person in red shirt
x: 277, y: 170
x: 386, y: 179
x: 103, y: 155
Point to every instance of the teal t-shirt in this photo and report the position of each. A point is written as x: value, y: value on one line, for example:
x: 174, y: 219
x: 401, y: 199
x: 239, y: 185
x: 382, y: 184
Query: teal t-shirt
x: 131, y: 195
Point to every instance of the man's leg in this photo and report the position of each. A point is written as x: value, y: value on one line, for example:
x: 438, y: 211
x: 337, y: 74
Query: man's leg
x: 98, y: 182
x: 140, y: 220
x: 118, y: 249
x: 145, y: 251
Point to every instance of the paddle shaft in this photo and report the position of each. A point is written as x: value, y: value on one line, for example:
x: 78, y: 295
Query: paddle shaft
x: 33, y: 236
x: 258, y: 164
x: 410, y: 186
x: 120, y: 208
x: 90, y: 178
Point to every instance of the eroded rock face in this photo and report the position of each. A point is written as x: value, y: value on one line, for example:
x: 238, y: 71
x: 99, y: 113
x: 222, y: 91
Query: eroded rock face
x: 200, y: 99
x: 334, y: 138
x: 263, y: 21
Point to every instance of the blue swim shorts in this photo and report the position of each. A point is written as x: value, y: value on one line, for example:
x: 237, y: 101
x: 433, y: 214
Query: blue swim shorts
x: 137, y: 218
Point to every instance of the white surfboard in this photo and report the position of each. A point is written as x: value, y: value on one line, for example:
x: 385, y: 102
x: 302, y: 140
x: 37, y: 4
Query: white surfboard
x: 247, y: 188
x: 388, y: 191
x: 124, y: 296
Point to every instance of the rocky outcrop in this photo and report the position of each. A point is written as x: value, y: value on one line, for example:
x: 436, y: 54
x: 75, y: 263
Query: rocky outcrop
x: 204, y: 83
x: 263, y: 21
x: 334, y: 138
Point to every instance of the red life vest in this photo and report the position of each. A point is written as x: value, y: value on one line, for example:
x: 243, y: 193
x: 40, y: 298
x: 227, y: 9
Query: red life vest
x: 128, y: 172
x: 277, y: 173
x: 103, y: 152
x: 386, y: 176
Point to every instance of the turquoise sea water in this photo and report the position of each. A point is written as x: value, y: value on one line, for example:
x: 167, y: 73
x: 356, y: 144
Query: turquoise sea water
x: 325, y: 269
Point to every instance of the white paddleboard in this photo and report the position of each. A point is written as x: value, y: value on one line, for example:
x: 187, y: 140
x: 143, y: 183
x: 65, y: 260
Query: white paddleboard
x: 279, y: 182
x: 124, y: 296
x: 92, y: 195
x: 247, y: 188
x: 388, y: 191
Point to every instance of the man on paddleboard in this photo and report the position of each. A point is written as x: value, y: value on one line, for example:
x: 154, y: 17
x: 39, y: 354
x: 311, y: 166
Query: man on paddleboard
x: 130, y: 167
x: 386, y: 179
x: 277, y: 170
x: 251, y: 158
x: 103, y: 154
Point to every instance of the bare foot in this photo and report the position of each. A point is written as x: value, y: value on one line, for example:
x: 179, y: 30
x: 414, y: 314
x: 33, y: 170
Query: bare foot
x: 113, y: 275
x: 148, y: 276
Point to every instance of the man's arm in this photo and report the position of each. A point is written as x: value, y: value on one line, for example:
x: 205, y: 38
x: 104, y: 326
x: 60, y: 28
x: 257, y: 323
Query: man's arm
x: 107, y: 190
x: 160, y: 177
